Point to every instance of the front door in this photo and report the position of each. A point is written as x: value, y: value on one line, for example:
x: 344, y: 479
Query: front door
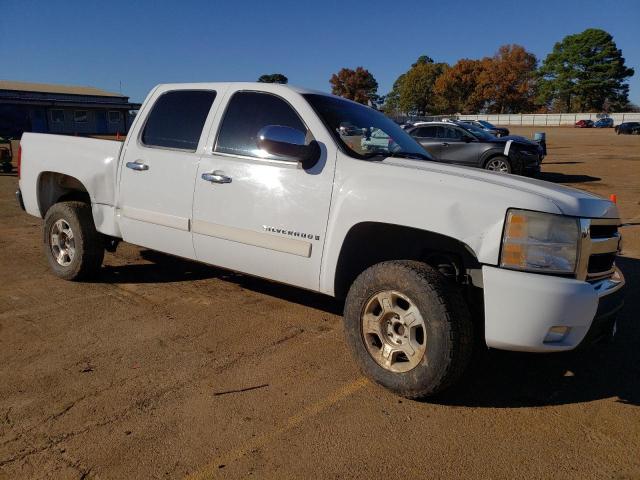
x: 159, y: 170
x: 257, y: 213
x: 458, y: 146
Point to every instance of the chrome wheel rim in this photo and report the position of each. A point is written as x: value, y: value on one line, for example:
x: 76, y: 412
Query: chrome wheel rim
x: 62, y: 243
x: 498, y: 165
x: 393, y: 331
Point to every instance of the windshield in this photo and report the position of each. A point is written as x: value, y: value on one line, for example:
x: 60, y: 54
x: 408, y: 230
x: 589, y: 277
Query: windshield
x: 363, y: 132
x: 478, y: 132
x: 486, y: 124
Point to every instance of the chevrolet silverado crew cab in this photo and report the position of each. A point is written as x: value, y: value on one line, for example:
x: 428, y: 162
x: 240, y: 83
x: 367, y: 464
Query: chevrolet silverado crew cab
x: 260, y: 178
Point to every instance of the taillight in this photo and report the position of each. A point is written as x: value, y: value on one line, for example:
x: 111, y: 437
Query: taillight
x: 19, y: 159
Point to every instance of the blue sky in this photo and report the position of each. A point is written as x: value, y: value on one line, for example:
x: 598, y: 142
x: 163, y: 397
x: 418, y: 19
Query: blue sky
x: 142, y: 43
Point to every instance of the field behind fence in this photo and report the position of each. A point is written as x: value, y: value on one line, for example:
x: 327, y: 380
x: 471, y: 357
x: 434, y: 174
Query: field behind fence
x: 549, y: 119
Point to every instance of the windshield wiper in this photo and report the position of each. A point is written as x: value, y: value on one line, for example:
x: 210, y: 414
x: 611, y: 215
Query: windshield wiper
x: 414, y: 155
x: 383, y: 155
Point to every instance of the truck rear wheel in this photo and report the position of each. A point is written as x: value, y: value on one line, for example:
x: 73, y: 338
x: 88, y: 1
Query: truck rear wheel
x: 408, y: 328
x: 72, y: 245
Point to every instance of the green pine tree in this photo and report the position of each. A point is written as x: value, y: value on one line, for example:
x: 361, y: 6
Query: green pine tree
x: 273, y: 78
x: 585, y: 72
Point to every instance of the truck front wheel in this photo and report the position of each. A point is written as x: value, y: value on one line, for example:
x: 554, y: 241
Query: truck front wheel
x: 72, y: 245
x: 408, y: 328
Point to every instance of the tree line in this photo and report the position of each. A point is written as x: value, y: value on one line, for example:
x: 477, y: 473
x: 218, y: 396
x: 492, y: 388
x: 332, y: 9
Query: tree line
x: 585, y: 72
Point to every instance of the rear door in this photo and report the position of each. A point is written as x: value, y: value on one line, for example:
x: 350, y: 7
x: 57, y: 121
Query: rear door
x: 159, y: 169
x: 428, y: 138
x: 257, y: 213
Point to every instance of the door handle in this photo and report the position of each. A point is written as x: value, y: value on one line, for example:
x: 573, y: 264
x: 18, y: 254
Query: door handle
x: 138, y: 166
x: 216, y: 177
x: 445, y: 144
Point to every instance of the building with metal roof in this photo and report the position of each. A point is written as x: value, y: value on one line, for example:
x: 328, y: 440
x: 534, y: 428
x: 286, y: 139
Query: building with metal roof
x: 62, y: 109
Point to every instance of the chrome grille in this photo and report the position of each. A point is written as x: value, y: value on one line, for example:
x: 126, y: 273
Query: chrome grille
x: 599, y: 243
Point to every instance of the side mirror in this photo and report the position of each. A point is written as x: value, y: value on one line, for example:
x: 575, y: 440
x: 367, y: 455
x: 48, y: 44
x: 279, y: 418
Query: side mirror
x: 288, y: 143
x: 467, y: 139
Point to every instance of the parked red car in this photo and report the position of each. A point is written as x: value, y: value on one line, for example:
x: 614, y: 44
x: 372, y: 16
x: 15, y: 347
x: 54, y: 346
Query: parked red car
x: 584, y: 124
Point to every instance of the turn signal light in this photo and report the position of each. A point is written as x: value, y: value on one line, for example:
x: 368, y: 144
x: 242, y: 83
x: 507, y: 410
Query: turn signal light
x: 517, y: 227
x: 556, y: 334
x: 513, y: 254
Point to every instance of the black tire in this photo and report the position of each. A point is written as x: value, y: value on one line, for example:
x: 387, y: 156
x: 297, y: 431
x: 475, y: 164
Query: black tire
x: 447, y: 321
x: 7, y: 168
x: 498, y: 158
x: 88, y: 244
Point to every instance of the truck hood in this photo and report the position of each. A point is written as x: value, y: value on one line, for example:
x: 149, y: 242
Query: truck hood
x: 569, y: 201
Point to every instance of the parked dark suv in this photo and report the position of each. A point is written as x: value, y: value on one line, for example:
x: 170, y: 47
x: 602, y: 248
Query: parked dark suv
x: 628, y: 128
x: 463, y: 144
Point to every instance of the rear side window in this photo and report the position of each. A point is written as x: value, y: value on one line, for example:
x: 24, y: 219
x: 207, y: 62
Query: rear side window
x: 246, y: 115
x: 427, y: 132
x: 177, y: 118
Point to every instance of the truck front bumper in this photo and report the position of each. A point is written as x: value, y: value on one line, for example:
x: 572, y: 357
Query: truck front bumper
x: 542, y: 313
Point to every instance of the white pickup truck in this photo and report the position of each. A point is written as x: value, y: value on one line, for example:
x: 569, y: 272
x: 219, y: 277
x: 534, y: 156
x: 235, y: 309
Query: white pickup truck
x: 260, y: 178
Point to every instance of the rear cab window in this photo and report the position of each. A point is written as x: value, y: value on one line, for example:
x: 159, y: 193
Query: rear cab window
x: 177, y: 118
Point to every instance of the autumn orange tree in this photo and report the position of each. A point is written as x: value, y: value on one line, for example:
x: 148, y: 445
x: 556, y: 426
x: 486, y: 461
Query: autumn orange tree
x: 503, y: 83
x: 456, y: 90
x: 358, y: 85
x: 507, y: 80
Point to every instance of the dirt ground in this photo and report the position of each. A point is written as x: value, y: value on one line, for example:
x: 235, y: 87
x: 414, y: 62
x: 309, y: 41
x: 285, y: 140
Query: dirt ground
x: 122, y: 378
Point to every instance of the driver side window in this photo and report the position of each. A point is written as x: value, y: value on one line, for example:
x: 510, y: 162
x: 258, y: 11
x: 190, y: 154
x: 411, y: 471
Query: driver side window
x: 246, y: 114
x: 452, y: 133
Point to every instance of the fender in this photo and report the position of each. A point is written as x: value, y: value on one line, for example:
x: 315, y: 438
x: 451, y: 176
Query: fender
x: 446, y: 200
x: 492, y: 152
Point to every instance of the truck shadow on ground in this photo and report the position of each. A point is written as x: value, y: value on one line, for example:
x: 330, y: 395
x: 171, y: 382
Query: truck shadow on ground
x: 164, y: 268
x: 561, y: 163
x: 557, y: 177
x: 496, y: 379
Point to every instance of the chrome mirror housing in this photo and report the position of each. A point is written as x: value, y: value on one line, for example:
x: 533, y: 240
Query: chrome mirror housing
x: 288, y: 143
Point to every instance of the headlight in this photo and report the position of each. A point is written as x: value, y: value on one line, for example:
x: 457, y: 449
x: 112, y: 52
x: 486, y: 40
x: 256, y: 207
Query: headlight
x: 540, y: 242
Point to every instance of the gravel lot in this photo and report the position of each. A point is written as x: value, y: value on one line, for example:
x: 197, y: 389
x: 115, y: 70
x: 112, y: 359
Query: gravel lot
x: 125, y: 377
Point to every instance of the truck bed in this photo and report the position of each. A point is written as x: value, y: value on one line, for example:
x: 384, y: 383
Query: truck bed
x: 92, y: 162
